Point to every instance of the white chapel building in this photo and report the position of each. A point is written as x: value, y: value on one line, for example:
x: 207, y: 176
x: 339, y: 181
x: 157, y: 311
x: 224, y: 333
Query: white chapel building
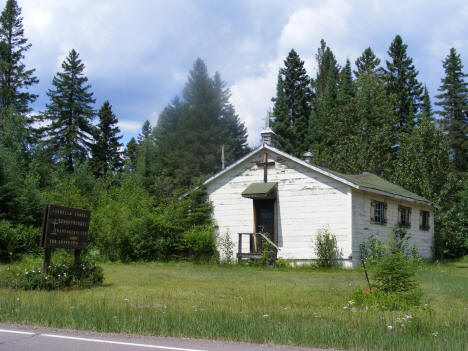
x: 290, y: 199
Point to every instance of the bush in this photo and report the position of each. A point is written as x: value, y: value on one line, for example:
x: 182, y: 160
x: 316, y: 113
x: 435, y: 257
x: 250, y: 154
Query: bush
x: 326, y: 248
x: 16, y: 240
x: 199, y: 243
x: 268, y: 256
x: 86, y: 274
x: 226, y: 248
x: 393, y: 266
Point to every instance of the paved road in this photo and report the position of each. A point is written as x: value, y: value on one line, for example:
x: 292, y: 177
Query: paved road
x: 23, y: 338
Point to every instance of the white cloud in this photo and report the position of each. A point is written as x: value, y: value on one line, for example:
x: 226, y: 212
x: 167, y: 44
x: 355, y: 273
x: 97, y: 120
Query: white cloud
x: 130, y: 126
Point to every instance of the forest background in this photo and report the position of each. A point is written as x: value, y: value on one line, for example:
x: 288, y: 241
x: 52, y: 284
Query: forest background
x: 377, y: 117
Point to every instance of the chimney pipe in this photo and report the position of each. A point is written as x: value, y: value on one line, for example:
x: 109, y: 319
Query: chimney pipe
x: 308, y: 156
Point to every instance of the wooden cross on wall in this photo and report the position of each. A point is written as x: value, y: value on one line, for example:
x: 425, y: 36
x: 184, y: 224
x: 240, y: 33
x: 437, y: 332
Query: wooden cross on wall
x: 265, y: 165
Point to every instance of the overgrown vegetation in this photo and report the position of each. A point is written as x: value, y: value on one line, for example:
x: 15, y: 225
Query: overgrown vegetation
x: 85, y: 274
x: 293, y: 306
x: 326, y: 248
x: 393, y: 265
x: 377, y: 119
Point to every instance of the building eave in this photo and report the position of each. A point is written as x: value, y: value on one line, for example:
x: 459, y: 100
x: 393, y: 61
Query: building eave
x: 309, y: 166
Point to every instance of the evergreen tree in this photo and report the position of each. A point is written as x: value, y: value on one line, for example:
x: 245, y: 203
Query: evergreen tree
x: 401, y: 80
x: 346, y: 89
x: 145, y: 131
x: 327, y: 64
x: 454, y: 102
x: 296, y: 88
x: 106, y: 154
x: 130, y: 155
x: 426, y: 108
x: 69, y: 113
x: 235, y: 135
x: 15, y: 79
x: 367, y: 63
x: 281, y: 123
x: 191, y: 131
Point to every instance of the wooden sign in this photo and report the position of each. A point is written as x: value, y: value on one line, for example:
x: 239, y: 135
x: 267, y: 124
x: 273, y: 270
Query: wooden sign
x: 65, y: 227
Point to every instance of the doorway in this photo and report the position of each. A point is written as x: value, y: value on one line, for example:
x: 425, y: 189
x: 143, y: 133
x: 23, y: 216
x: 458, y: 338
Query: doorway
x: 264, y: 221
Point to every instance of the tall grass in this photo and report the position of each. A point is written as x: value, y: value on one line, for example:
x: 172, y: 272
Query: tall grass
x: 282, y: 306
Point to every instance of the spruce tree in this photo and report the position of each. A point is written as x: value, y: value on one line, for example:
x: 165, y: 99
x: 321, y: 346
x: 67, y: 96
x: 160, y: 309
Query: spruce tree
x: 296, y: 88
x: 281, y: 121
x: 191, y: 131
x: 145, y: 131
x: 426, y: 108
x: 69, y: 114
x: 130, y: 155
x: 453, y: 99
x: 15, y: 79
x: 106, y: 154
x: 368, y: 63
x: 327, y: 64
x: 401, y: 80
x: 346, y: 89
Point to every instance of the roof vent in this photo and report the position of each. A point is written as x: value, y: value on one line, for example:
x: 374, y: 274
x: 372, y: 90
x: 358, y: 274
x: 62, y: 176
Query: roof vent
x: 308, y: 156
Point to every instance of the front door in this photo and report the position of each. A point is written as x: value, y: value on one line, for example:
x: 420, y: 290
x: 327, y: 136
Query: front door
x: 264, y: 220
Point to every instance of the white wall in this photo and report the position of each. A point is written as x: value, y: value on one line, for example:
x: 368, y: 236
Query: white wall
x: 306, y: 202
x: 363, y: 228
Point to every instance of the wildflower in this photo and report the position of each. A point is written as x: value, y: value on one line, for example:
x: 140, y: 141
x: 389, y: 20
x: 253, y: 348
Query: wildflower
x: 345, y: 307
x: 351, y: 302
x: 266, y: 315
x: 126, y: 300
x: 17, y: 299
x: 435, y: 333
x: 389, y: 327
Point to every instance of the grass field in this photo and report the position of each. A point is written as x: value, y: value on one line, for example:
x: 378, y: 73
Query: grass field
x: 281, y: 306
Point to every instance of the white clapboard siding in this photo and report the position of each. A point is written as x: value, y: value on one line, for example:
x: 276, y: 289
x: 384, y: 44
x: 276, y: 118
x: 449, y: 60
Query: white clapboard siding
x: 363, y: 228
x: 306, y: 202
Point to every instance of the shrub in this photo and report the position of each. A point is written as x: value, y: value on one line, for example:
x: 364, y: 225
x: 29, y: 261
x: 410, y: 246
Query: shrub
x: 86, y: 274
x: 326, y: 248
x: 199, y: 243
x: 268, y: 256
x: 16, y: 240
x: 393, y: 265
x: 226, y: 247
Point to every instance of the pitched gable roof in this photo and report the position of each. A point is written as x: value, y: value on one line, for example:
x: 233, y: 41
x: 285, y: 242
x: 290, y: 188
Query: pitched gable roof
x: 366, y: 181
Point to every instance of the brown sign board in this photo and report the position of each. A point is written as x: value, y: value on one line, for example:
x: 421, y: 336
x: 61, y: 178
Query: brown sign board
x: 65, y: 227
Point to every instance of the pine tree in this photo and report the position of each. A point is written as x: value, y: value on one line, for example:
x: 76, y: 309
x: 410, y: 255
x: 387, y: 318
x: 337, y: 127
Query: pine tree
x: 401, y: 80
x: 281, y: 121
x: 191, y: 131
x: 327, y: 64
x: 130, y: 155
x: 426, y: 108
x: 296, y: 87
x: 106, y: 154
x: 454, y: 102
x: 15, y: 79
x: 145, y: 131
x: 367, y: 63
x: 346, y: 89
x: 69, y: 113
x: 235, y: 135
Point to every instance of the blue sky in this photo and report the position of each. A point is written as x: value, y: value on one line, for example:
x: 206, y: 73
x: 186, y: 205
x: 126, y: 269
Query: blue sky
x: 138, y: 53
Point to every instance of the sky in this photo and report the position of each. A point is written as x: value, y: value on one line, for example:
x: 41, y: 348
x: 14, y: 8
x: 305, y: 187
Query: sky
x: 138, y: 53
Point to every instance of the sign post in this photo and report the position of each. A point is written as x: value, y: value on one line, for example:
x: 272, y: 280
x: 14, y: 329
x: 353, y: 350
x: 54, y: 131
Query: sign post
x: 64, y: 227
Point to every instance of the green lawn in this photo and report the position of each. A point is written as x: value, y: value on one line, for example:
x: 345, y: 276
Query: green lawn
x: 288, y: 306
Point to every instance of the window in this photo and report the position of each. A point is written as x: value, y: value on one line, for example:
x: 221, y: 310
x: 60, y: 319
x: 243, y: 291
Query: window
x: 378, y: 212
x: 404, y: 216
x: 424, y: 217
